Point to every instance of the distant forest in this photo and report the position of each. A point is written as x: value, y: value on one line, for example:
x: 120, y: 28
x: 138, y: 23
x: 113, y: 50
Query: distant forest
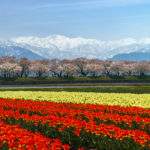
x: 23, y: 67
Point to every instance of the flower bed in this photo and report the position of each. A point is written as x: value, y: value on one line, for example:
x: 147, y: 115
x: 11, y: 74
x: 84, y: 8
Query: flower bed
x: 121, y: 99
x: 30, y: 124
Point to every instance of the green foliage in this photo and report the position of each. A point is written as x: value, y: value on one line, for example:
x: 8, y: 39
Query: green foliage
x: 135, y: 89
x: 84, y: 78
x: 4, y: 146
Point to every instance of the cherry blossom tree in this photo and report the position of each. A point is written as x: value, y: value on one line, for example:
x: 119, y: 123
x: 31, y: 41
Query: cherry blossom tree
x: 81, y: 63
x: 56, y: 68
x: 10, y: 67
x: 39, y: 68
x: 9, y: 70
x: 117, y: 68
x: 25, y: 67
x: 69, y: 69
x: 62, y: 68
x: 130, y: 68
x: 10, y: 59
x: 107, y: 67
x: 95, y: 69
x: 142, y: 68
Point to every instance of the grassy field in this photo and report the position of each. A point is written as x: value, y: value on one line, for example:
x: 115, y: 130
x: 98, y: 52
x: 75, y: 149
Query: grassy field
x: 123, y: 96
x: 76, y: 78
x: 131, y: 89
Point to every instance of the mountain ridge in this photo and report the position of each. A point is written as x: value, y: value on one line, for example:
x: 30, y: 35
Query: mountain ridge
x: 62, y: 47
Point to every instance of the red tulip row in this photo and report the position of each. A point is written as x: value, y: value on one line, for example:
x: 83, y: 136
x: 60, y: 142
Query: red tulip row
x: 75, y: 115
x: 104, y: 129
x: 65, y: 110
x: 17, y: 138
x: 45, y: 106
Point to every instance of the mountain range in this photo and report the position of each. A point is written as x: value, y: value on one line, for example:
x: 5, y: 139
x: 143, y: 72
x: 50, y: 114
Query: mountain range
x: 62, y: 47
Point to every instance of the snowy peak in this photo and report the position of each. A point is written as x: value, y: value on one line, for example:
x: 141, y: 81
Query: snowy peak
x: 9, y: 48
x: 62, y: 42
x: 62, y: 47
x: 59, y: 46
x: 7, y: 43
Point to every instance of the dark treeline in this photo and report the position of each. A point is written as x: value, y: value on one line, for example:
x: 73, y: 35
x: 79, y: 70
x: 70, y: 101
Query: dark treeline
x: 11, y: 67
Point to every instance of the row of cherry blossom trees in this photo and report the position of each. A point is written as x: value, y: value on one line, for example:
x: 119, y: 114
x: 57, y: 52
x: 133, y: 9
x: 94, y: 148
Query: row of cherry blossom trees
x: 11, y: 67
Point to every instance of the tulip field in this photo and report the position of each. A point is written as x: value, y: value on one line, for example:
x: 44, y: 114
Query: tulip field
x: 121, y: 99
x: 40, y: 120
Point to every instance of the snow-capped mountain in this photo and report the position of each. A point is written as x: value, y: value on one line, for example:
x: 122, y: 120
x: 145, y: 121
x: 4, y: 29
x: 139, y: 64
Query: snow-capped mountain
x: 8, y: 48
x: 133, y: 52
x: 58, y: 46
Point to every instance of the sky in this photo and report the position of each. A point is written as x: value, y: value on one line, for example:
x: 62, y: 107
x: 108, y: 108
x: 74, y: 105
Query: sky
x: 97, y: 19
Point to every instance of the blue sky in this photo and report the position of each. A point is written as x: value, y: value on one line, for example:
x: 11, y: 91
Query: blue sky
x: 99, y: 19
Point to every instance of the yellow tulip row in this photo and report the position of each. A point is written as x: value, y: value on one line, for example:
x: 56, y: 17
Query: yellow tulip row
x: 122, y: 99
